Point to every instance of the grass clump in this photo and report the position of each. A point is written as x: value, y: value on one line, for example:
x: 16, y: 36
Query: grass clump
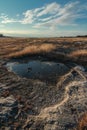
x: 34, y: 49
x: 79, y: 53
x: 82, y: 124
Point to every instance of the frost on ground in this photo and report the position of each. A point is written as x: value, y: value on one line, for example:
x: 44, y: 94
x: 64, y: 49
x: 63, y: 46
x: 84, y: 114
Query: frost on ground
x: 65, y: 114
x: 68, y: 103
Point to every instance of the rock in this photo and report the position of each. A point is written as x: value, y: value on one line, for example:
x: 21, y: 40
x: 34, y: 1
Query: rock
x: 3, y: 88
x: 8, y: 108
x: 5, y: 93
x: 29, y: 69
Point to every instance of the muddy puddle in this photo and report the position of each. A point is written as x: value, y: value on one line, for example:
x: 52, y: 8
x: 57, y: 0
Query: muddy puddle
x: 41, y: 69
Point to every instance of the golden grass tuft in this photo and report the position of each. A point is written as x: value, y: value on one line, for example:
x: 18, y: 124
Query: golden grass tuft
x: 82, y: 124
x: 78, y: 53
x: 34, y: 49
x: 17, y: 47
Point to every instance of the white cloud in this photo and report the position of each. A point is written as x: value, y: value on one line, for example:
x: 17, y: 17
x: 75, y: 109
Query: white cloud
x: 28, y: 17
x: 69, y: 8
x: 64, y: 16
x: 54, y: 14
x: 6, y: 19
x: 49, y: 9
x: 50, y: 15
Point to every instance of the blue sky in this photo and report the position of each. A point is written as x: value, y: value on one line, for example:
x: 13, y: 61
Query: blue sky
x: 37, y: 18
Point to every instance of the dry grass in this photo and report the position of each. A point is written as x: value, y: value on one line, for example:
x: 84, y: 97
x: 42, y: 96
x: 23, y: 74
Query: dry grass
x: 82, y: 124
x: 34, y: 49
x: 65, y: 47
x: 79, y: 53
x: 12, y: 47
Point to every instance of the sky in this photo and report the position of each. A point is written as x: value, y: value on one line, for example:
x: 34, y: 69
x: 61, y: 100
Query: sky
x: 43, y: 18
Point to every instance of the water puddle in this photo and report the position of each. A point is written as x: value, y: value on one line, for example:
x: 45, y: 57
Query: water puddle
x: 38, y: 69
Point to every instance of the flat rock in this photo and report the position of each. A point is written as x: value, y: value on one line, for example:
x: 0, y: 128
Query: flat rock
x: 8, y: 108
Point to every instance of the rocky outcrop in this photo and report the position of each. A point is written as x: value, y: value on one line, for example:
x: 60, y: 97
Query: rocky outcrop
x: 8, y: 108
x: 8, y: 104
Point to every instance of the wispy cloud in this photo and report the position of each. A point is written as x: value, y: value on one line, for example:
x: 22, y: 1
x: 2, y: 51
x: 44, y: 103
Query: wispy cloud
x: 50, y: 15
x: 49, y: 9
x: 5, y: 19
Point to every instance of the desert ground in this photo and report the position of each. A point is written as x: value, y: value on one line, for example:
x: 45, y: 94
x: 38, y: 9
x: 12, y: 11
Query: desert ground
x: 56, y: 102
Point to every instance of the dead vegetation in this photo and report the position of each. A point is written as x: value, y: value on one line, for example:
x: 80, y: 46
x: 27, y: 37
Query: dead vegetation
x: 82, y: 124
x: 79, y: 56
x: 57, y: 48
x: 34, y: 49
x: 39, y: 94
x: 79, y: 53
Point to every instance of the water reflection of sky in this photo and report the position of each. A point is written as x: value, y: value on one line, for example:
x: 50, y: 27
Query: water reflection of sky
x: 37, y: 69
